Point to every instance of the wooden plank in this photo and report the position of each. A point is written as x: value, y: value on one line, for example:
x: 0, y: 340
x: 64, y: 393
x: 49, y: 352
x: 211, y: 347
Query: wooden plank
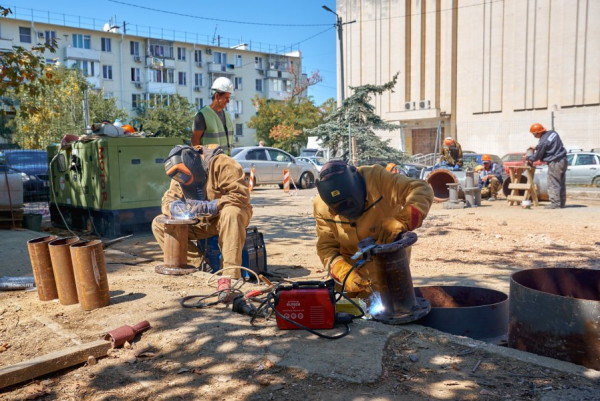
x: 52, y: 362
x: 515, y: 198
x: 519, y: 186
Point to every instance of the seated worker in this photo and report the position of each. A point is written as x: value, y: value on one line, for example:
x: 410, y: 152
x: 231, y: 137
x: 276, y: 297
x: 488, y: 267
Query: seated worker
x: 356, y: 203
x: 207, y: 184
x: 490, y: 179
x: 392, y: 168
x: 452, y: 154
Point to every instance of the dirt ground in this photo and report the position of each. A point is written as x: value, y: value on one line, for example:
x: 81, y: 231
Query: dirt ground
x: 182, y: 357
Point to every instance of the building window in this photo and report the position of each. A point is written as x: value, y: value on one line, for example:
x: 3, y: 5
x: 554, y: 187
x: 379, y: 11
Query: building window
x: 238, y: 83
x: 163, y: 76
x: 259, y: 85
x: 107, y: 72
x: 134, y: 48
x: 181, y: 53
x: 238, y: 60
x: 181, y: 78
x: 220, y: 58
x: 199, y: 102
x: 50, y: 37
x: 198, y: 80
x: 135, y: 75
x: 239, y: 130
x: 86, y: 67
x: 258, y: 63
x: 105, y: 44
x: 281, y: 85
x: 24, y: 34
x: 81, y: 41
x: 238, y: 107
x: 136, y: 100
x: 197, y: 56
x: 161, y: 51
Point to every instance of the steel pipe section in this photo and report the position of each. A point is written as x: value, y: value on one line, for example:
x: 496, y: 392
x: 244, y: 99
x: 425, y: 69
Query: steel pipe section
x: 555, y: 312
x: 474, y: 312
x: 439, y: 180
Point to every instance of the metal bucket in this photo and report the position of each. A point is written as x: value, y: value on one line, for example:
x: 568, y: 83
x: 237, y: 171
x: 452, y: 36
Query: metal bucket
x: 63, y: 269
x: 556, y: 313
x: 90, y: 274
x: 41, y: 265
x: 474, y: 312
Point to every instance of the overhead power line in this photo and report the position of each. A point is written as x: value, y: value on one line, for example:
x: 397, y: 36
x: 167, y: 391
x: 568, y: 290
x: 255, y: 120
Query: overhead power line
x: 212, y: 19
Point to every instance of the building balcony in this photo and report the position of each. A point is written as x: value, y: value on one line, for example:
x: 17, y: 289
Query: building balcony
x: 5, y: 44
x: 278, y: 95
x: 94, y: 82
x: 279, y: 74
x: 75, y: 53
x: 161, y: 87
x: 220, y: 68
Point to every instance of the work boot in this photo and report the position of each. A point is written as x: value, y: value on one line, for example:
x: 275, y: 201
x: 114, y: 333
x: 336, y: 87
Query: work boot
x: 552, y: 207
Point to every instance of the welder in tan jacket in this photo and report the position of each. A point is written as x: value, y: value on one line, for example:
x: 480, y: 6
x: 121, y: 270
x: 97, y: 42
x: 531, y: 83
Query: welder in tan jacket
x: 356, y: 203
x: 209, y: 185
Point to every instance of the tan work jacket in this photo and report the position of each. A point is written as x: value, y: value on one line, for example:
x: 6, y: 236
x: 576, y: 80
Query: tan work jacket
x: 387, y: 213
x: 225, y: 182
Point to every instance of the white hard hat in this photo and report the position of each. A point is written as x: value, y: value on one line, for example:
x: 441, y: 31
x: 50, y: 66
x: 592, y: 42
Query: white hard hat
x: 222, y: 84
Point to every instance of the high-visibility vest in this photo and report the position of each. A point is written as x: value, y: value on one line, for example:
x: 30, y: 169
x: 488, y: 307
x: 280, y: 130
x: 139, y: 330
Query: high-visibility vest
x: 215, y: 132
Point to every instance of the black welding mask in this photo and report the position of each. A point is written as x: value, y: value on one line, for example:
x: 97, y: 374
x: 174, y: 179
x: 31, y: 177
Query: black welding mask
x: 185, y: 166
x: 343, y: 189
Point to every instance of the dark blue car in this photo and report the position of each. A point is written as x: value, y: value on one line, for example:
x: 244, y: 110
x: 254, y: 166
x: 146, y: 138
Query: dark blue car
x: 33, y: 164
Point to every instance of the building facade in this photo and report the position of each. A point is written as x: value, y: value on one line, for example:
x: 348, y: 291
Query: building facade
x: 134, y: 68
x: 481, y: 70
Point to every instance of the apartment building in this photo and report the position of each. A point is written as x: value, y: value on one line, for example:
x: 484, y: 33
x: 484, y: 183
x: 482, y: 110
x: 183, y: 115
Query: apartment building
x: 481, y: 70
x: 136, y: 67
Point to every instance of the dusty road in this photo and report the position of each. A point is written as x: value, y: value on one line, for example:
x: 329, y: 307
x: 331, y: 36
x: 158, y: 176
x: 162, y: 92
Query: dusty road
x: 213, y: 354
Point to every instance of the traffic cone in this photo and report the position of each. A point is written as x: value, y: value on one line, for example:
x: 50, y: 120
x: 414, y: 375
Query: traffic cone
x: 251, y: 181
x: 286, y: 180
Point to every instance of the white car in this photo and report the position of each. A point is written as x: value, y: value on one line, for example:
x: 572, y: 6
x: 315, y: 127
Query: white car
x: 269, y: 163
x: 318, y: 162
x: 583, y: 168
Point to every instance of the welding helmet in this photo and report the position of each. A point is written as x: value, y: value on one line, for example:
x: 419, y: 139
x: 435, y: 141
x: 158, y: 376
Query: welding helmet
x: 184, y: 165
x: 343, y: 189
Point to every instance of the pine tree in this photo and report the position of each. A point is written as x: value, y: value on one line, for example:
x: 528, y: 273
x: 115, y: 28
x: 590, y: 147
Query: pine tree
x: 358, y: 113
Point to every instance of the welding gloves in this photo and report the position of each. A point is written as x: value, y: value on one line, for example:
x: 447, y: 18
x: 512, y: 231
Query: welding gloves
x: 200, y: 208
x: 179, y: 210
x: 354, y: 283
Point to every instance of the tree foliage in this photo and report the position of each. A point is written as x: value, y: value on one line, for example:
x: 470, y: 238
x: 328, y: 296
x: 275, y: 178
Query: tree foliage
x: 24, y: 71
x: 171, y: 118
x: 56, y: 110
x: 357, y: 114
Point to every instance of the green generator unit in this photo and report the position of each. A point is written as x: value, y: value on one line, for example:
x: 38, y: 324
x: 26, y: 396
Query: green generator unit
x: 109, y: 186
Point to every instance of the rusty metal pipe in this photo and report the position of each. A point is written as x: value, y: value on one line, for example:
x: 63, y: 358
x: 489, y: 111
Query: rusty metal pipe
x: 62, y: 266
x: 119, y: 335
x: 175, y: 246
x: 396, y: 288
x: 90, y: 274
x: 439, y: 180
x: 41, y: 265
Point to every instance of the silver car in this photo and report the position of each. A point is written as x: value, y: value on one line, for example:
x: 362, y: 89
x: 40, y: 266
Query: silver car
x: 269, y: 163
x: 583, y: 168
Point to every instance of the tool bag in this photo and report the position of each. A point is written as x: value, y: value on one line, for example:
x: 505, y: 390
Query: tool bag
x: 254, y: 254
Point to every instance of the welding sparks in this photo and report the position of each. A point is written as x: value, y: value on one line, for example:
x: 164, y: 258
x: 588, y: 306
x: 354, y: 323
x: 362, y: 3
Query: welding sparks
x: 375, y: 304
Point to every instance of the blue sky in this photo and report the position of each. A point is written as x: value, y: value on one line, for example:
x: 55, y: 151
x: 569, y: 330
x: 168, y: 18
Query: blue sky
x: 277, y: 23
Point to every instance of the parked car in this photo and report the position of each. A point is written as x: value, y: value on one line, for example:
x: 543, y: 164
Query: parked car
x: 269, y: 164
x: 312, y: 153
x: 33, y: 164
x: 583, y: 168
x: 318, y: 162
x: 516, y: 159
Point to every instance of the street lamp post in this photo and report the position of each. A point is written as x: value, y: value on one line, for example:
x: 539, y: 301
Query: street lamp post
x: 339, y: 25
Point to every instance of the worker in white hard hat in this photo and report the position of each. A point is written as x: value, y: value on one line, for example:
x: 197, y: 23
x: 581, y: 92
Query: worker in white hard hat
x: 213, y: 125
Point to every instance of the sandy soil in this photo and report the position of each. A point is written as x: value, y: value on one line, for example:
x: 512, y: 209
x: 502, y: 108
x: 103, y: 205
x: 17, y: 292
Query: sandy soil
x: 182, y: 358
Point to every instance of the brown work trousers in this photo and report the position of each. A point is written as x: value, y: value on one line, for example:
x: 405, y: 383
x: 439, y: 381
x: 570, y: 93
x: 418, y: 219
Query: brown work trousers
x: 230, y: 226
x: 493, y: 188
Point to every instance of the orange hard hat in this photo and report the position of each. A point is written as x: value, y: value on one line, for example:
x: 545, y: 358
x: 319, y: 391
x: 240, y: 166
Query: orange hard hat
x: 448, y: 141
x: 128, y: 129
x: 391, y: 167
x: 486, y: 158
x: 537, y: 128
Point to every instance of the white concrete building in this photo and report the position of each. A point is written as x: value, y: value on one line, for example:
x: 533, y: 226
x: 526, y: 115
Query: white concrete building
x: 484, y: 70
x: 138, y: 63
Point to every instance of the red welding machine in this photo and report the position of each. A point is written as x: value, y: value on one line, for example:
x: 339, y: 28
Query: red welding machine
x: 305, y: 304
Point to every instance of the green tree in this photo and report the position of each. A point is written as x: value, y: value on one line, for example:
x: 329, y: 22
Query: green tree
x: 23, y: 70
x: 172, y: 118
x: 103, y: 108
x: 357, y: 113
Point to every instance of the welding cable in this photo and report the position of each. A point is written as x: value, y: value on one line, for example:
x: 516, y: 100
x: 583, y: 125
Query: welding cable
x: 229, y: 294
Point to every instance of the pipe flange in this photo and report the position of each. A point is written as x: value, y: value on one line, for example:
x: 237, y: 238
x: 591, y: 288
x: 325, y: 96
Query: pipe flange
x: 169, y: 220
x: 175, y: 271
x: 421, y: 308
